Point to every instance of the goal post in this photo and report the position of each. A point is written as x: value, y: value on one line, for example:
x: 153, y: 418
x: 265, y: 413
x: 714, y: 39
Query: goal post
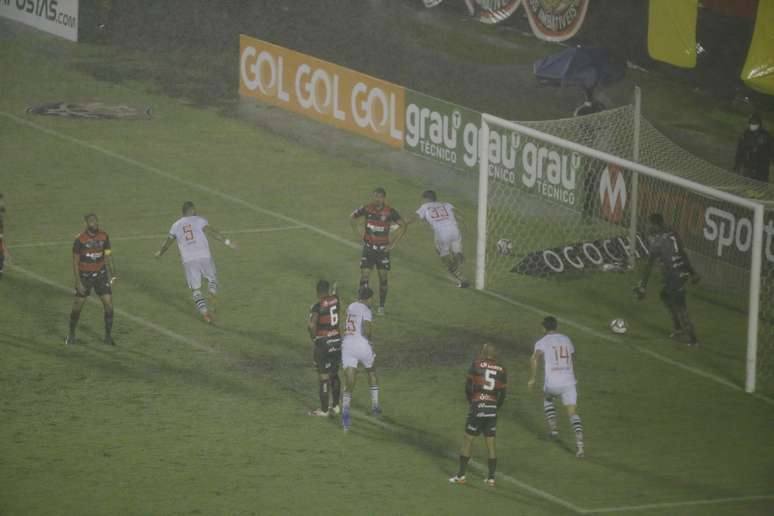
x: 567, y: 208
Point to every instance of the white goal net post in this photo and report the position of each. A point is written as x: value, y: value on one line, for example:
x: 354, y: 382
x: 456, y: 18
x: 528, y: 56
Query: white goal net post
x: 556, y: 207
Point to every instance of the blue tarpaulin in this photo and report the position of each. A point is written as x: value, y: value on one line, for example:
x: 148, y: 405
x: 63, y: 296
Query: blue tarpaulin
x: 579, y: 66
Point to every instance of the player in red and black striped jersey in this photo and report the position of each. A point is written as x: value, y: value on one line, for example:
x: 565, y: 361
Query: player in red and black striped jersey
x: 485, y: 387
x: 3, y: 250
x: 379, y: 217
x: 324, y: 327
x: 93, y: 269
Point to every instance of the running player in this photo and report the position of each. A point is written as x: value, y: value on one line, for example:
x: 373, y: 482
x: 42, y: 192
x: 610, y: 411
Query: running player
x: 667, y: 248
x: 485, y: 389
x: 3, y: 249
x: 324, y: 328
x: 558, y: 353
x: 92, y: 269
x: 191, y: 231
x: 376, y: 240
x: 356, y: 348
x: 448, y: 239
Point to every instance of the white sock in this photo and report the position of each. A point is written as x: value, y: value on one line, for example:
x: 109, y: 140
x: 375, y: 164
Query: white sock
x: 375, y: 396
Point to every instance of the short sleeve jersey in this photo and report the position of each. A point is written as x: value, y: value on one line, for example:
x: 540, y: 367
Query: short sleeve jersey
x: 327, y: 310
x: 667, y: 249
x: 557, y: 352
x: 377, y: 224
x: 485, y: 381
x: 440, y: 215
x: 191, y: 240
x: 357, y: 313
x: 91, y: 251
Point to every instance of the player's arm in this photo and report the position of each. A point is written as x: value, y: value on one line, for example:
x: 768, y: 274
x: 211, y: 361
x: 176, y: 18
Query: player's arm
x: 501, y: 391
x: 533, y: 365
x: 220, y: 237
x: 353, y: 222
x: 311, y: 323
x: 684, y: 256
x: 165, y: 246
x: 76, y: 272
x: 367, y: 329
x: 468, y: 386
x: 402, y: 227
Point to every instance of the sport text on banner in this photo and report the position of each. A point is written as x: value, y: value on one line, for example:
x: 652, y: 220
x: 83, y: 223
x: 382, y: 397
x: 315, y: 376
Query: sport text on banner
x: 320, y: 90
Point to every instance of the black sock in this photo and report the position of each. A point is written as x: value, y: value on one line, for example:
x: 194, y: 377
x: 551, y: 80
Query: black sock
x: 492, y: 463
x: 324, y: 395
x: 108, y: 322
x: 74, y: 316
x: 382, y: 292
x: 335, y: 390
x: 463, y: 465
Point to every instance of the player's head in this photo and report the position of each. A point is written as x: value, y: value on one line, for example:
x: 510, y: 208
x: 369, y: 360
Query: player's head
x: 429, y: 195
x: 92, y: 222
x: 755, y: 122
x: 189, y: 208
x: 488, y: 351
x: 656, y: 220
x: 549, y: 323
x: 379, y: 195
x: 365, y: 294
x: 323, y: 287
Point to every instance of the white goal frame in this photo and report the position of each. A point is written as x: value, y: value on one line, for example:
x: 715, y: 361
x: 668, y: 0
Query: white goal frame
x: 755, y: 207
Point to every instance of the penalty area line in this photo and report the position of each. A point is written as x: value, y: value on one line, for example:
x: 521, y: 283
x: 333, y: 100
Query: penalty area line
x: 671, y: 505
x: 154, y: 237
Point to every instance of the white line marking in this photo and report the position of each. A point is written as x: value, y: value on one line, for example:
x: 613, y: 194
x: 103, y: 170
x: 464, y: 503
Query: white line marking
x: 352, y: 244
x: 637, y: 347
x: 153, y: 237
x: 668, y: 505
x: 123, y: 313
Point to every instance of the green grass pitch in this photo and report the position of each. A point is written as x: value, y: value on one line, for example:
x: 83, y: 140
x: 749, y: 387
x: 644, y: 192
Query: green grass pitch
x: 183, y: 418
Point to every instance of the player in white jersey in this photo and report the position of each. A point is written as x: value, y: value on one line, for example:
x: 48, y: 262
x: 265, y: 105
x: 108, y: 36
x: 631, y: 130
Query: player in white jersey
x: 356, y: 348
x: 190, y: 232
x: 557, y: 352
x: 448, y: 239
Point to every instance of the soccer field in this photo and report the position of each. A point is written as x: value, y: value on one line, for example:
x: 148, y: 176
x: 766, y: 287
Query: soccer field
x: 185, y: 418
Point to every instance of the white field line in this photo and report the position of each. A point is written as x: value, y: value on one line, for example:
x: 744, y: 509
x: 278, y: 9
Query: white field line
x: 670, y: 505
x: 474, y: 464
x: 153, y: 237
x: 350, y: 243
x: 123, y: 313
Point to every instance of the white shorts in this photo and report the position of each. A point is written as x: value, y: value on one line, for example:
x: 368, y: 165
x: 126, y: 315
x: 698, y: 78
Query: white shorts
x: 448, y: 241
x: 354, y: 350
x: 195, y: 269
x: 567, y: 392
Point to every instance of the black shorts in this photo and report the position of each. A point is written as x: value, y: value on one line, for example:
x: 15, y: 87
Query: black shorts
x: 477, y: 424
x: 372, y: 258
x: 100, y: 282
x: 327, y: 355
x: 673, y: 291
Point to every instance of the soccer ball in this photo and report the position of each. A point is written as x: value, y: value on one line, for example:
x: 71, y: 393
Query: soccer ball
x: 504, y: 247
x: 619, y: 326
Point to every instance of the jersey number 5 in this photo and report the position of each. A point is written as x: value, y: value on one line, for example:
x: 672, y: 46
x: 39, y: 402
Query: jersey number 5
x: 489, y: 379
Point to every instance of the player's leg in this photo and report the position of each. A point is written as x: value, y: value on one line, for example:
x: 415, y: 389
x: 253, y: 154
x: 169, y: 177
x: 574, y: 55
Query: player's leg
x: 549, y: 409
x: 211, y: 275
x: 666, y: 299
x: 75, y: 314
x: 366, y: 264
x: 193, y: 274
x: 570, y: 401
x: 367, y: 357
x: 383, y: 270
x: 323, y: 379
x: 489, y: 440
x: 335, y: 381
x: 681, y: 308
x: 471, y: 431
x: 346, y: 398
x: 459, y: 259
x: 107, y: 305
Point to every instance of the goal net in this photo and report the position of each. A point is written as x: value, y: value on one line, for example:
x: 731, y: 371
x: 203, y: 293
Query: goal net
x: 560, y: 222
